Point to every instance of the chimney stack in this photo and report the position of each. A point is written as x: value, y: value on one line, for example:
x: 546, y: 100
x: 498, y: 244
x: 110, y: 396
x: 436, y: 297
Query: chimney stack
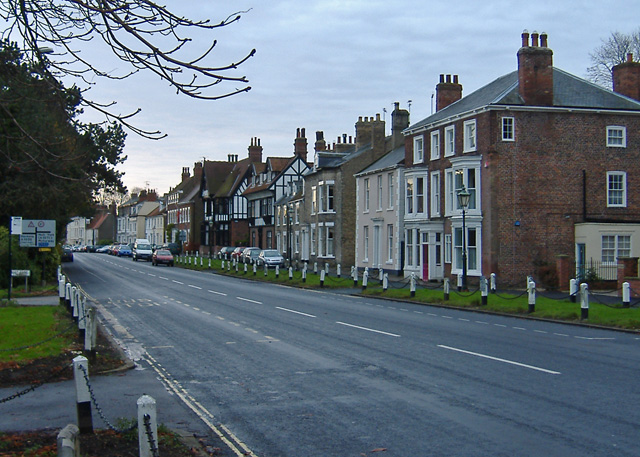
x: 300, y: 144
x: 185, y: 174
x: 447, y: 91
x: 255, y: 150
x: 535, y: 70
x: 321, y: 144
x: 626, y: 78
x: 399, y: 122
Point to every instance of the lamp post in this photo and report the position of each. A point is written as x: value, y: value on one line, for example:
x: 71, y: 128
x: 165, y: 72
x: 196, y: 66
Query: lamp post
x: 289, y: 243
x: 463, y: 202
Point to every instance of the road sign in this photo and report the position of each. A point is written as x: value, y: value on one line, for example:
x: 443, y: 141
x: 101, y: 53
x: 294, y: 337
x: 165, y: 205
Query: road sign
x: 38, y: 233
x: 20, y: 273
x: 16, y: 226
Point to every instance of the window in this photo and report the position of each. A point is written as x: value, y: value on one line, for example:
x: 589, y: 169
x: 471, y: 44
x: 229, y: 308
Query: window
x: 365, y: 239
x: 330, y: 242
x: 435, y: 145
x: 390, y: 242
x: 409, y: 248
x: 330, y: 197
x: 320, y: 198
x: 435, y: 194
x: 616, y: 189
x: 615, y: 246
x: 409, y: 207
x: 391, y: 190
x: 508, y: 131
x: 420, y: 195
x: 312, y: 235
x: 418, y: 149
x: 366, y: 194
x: 379, y: 192
x: 449, y: 141
x: 470, y: 136
x: 313, y: 199
x: 616, y: 136
x: 472, y: 248
x: 455, y: 179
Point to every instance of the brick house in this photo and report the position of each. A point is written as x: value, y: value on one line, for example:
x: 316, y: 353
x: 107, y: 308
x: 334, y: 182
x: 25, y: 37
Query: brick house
x: 551, y: 163
x: 184, y: 210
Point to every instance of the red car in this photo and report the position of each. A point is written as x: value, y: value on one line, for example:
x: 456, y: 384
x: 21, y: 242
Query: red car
x: 162, y: 256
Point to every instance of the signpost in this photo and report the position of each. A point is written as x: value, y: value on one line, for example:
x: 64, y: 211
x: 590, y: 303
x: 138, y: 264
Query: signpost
x: 14, y: 229
x: 38, y: 233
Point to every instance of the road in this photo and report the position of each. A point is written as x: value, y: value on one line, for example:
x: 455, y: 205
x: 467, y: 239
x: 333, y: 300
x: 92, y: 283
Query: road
x: 279, y: 371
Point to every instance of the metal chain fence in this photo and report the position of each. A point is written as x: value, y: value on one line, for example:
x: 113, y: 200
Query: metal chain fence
x: 54, y: 374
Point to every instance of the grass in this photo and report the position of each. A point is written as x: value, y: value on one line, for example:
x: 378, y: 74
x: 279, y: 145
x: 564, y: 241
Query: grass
x: 564, y: 310
x: 26, y: 326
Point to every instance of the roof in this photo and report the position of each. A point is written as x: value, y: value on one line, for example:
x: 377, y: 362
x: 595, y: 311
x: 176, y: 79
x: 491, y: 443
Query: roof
x: 569, y: 91
x: 389, y: 160
x: 97, y: 221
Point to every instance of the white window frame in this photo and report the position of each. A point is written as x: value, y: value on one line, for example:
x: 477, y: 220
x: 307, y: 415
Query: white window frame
x: 367, y: 191
x: 390, y: 246
x: 390, y: 182
x: 420, y: 203
x: 616, y: 136
x: 470, y: 136
x: 418, y: 149
x: 619, y: 250
x: 450, y: 141
x: 435, y: 194
x: 409, y: 185
x: 435, y: 145
x: 365, y: 242
x: 508, y: 129
x: 380, y: 192
x: 622, y: 191
x: 314, y: 200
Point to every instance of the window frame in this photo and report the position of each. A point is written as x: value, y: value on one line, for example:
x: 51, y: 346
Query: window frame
x: 418, y: 149
x: 470, y: 136
x: 622, y: 138
x: 450, y: 141
x: 622, y: 190
x: 434, y: 195
x: 508, y: 128
x: 435, y: 145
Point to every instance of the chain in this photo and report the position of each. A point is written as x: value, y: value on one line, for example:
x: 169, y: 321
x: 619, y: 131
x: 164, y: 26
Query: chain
x: 33, y: 387
x: 152, y: 443
x: 99, y: 409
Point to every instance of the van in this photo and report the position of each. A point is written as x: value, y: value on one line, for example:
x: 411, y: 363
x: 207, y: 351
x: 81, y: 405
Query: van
x: 142, y: 250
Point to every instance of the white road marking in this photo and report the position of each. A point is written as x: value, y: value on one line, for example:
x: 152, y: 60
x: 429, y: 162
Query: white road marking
x: 295, y: 312
x: 194, y: 287
x: 250, y: 301
x: 368, y: 329
x: 497, y: 359
x: 217, y: 293
x: 177, y: 282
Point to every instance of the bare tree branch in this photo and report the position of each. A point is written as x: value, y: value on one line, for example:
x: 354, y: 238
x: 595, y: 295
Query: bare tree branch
x: 143, y: 34
x: 610, y: 53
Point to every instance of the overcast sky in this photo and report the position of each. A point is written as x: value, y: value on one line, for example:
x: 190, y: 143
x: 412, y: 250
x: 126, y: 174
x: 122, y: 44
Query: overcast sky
x: 320, y: 64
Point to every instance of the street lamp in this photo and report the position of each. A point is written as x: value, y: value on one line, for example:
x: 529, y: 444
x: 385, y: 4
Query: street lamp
x: 463, y: 202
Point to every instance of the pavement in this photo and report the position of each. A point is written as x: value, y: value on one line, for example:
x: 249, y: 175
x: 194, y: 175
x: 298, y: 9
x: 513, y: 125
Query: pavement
x: 52, y: 406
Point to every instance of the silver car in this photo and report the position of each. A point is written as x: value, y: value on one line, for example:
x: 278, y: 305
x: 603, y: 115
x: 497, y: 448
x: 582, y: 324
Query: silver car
x: 270, y: 258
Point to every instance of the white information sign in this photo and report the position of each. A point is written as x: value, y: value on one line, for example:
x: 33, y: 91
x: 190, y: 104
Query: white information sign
x: 38, y: 233
x: 16, y: 226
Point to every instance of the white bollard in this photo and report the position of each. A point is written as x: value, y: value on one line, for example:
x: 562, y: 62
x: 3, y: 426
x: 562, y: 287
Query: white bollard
x: 626, y: 295
x: 82, y: 313
x: 61, y: 288
x: 74, y: 303
x: 326, y: 268
x: 484, y: 291
x: 354, y: 273
x: 339, y: 270
x: 365, y: 278
x: 385, y: 282
x: 91, y: 331
x: 446, y: 288
x: 412, y: 287
x: 290, y: 273
x: 68, y: 441
x: 573, y: 290
x: 147, y: 426
x: 322, y: 274
x: 67, y: 294
x: 531, y: 290
x: 493, y: 283
x: 584, y: 301
x: 83, y: 396
x: 459, y: 282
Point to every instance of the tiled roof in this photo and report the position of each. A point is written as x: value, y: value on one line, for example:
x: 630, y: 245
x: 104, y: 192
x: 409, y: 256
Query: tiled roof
x: 569, y: 91
x: 389, y: 160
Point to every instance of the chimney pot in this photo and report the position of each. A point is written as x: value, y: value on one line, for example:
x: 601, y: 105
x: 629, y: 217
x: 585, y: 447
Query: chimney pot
x: 303, y: 133
x: 455, y: 79
x: 629, y: 57
x: 525, y: 38
x: 543, y: 40
x: 442, y: 78
x: 534, y: 39
x: 448, y: 78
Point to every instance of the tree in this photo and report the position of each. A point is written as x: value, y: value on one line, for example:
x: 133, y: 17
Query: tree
x: 51, y: 164
x: 141, y: 33
x: 610, y: 53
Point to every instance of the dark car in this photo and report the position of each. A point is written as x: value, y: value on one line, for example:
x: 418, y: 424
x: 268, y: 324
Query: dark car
x: 225, y: 252
x: 67, y: 254
x: 250, y: 255
x: 270, y: 258
x: 173, y: 247
x: 162, y: 256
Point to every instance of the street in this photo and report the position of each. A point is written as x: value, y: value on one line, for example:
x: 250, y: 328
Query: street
x: 280, y: 371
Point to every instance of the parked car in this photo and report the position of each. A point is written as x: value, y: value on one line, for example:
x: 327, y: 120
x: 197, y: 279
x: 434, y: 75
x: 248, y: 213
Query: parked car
x: 237, y: 252
x: 125, y: 251
x: 225, y: 252
x: 162, y: 256
x: 175, y: 248
x: 67, y: 254
x: 250, y: 255
x: 142, y: 250
x: 103, y: 249
x: 270, y: 258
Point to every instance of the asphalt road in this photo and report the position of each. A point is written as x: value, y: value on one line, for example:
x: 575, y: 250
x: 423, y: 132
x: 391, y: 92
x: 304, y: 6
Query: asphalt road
x: 279, y: 371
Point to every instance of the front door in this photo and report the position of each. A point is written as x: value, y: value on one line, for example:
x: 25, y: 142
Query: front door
x: 581, y: 254
x: 436, y: 271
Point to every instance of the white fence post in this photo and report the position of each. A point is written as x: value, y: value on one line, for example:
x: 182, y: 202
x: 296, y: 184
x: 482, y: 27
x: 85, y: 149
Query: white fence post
x: 322, y: 274
x: 365, y: 279
x: 446, y: 287
x: 531, y: 289
x: 385, y: 282
x: 339, y: 270
x: 626, y: 295
x: 493, y: 283
x: 573, y: 290
x: 147, y: 426
x: 74, y: 301
x: 484, y: 291
x: 61, y: 288
x: 584, y: 301
x: 68, y: 442
x: 412, y: 287
x: 91, y: 331
x: 83, y: 397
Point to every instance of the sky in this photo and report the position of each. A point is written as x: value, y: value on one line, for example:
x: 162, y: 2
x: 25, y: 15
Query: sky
x: 321, y: 64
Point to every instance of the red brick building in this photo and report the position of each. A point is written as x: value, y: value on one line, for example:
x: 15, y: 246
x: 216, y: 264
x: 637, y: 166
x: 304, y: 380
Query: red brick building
x: 552, y: 165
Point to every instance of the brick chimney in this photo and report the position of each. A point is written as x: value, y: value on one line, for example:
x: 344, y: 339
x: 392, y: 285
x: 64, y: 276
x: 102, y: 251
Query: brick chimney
x: 197, y: 169
x: 255, y: 150
x: 300, y: 144
x: 185, y: 174
x: 447, y: 91
x: 399, y: 122
x: 626, y: 78
x: 321, y: 144
x: 535, y: 70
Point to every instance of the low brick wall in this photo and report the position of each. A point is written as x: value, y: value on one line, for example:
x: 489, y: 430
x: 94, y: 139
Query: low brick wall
x: 628, y: 272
